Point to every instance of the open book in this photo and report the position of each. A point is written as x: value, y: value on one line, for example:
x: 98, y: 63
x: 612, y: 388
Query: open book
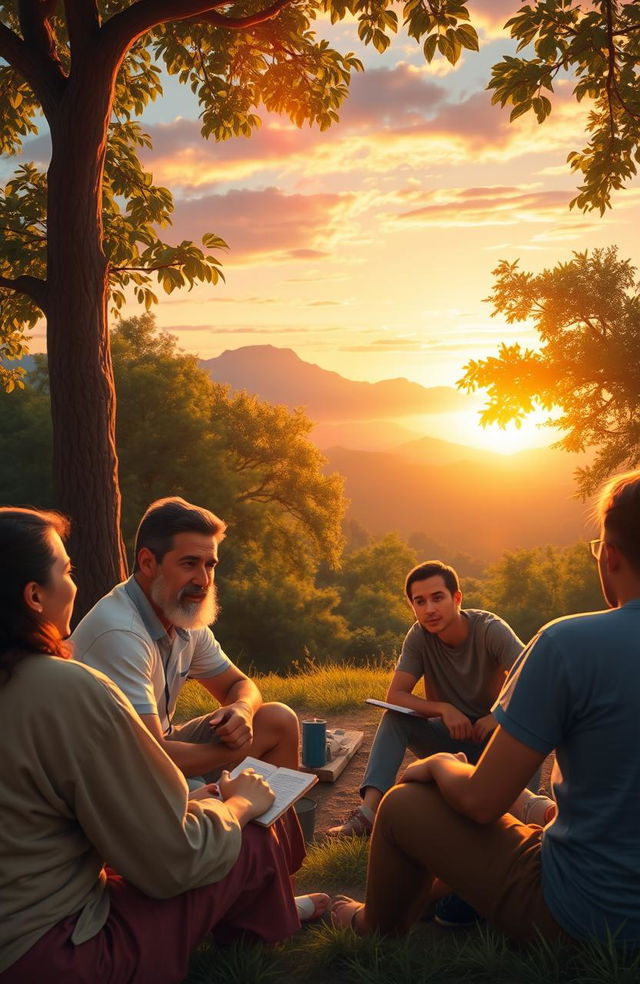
x: 391, y: 707
x: 397, y: 707
x: 288, y: 785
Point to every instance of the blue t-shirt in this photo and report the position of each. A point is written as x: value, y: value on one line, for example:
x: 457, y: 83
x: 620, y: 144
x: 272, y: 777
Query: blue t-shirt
x: 576, y: 689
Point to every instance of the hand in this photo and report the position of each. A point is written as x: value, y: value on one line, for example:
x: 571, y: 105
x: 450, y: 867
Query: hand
x: 483, y: 727
x: 422, y: 770
x: 204, y: 792
x: 233, y: 725
x: 457, y: 724
x: 251, y: 787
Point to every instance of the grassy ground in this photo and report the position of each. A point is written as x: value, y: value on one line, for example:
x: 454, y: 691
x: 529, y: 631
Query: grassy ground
x: 334, y: 687
x: 429, y: 955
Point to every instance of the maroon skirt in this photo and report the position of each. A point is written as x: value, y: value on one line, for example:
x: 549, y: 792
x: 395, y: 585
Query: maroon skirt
x: 150, y: 941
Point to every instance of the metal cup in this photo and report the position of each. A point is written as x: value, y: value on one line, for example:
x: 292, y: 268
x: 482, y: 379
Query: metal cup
x: 314, y: 743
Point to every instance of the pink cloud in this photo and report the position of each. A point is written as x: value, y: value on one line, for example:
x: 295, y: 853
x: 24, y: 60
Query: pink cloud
x: 486, y: 206
x: 265, y: 222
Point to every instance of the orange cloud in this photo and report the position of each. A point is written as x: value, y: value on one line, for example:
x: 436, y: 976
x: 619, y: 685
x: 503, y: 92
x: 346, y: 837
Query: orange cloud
x: 268, y: 224
x: 395, y: 121
x: 483, y: 206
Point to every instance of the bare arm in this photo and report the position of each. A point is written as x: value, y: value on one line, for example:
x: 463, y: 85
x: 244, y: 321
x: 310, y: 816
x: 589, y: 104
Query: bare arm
x: 192, y: 759
x: 484, y: 792
x: 458, y: 724
x: 240, y: 699
x: 231, y: 726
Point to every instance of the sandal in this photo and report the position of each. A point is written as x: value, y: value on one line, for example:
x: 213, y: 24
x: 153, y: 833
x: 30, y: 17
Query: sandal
x: 351, y: 909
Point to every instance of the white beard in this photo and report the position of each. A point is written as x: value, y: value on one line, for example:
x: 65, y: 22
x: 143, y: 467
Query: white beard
x: 180, y: 610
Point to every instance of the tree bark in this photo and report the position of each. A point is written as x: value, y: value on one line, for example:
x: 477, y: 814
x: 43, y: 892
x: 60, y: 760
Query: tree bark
x: 83, y: 402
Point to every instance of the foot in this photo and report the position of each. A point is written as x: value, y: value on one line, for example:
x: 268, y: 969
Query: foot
x: 312, y: 906
x: 455, y: 913
x: 346, y: 913
x: 357, y: 824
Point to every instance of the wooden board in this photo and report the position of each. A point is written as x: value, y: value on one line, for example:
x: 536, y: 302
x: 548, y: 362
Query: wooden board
x: 331, y: 770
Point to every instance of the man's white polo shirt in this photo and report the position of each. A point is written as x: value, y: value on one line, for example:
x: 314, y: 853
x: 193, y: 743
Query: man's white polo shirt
x: 123, y: 638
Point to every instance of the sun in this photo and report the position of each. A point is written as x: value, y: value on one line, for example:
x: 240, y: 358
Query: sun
x: 463, y: 427
x: 510, y: 439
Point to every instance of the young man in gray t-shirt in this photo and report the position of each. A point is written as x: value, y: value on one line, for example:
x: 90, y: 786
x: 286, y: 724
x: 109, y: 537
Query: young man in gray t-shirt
x: 463, y: 657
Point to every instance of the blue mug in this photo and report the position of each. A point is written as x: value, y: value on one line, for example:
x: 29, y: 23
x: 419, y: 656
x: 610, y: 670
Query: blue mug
x: 314, y: 743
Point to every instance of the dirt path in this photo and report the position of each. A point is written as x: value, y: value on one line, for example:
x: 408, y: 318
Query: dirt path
x: 337, y: 799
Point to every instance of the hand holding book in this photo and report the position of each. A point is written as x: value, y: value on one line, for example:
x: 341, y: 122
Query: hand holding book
x: 285, y: 786
x: 250, y: 786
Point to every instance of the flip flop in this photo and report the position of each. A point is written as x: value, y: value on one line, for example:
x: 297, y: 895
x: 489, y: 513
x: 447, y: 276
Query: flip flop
x: 312, y: 906
x: 352, y: 909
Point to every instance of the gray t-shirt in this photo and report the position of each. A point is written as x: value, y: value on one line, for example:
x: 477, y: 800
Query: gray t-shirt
x: 469, y: 676
x: 123, y: 638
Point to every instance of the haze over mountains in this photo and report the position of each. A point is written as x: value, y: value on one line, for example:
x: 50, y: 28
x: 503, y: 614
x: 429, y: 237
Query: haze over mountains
x: 468, y: 499
x: 281, y: 376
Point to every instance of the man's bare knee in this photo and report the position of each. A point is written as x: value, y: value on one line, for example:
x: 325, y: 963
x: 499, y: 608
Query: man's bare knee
x: 276, y: 718
x: 422, y: 801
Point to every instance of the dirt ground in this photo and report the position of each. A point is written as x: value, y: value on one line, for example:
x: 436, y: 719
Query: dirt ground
x: 337, y: 799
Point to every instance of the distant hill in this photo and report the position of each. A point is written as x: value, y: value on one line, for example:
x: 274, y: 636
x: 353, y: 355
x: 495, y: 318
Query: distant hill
x: 472, y: 501
x: 481, y: 503
x: 364, y: 435
x: 280, y: 376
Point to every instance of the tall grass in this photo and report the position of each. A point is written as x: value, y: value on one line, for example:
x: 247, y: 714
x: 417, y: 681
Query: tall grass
x: 322, y: 688
x: 333, y: 865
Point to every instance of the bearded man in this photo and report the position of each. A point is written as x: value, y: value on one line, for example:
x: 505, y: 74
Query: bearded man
x: 151, y: 633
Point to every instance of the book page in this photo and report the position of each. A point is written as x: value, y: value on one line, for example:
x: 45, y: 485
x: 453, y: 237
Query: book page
x: 287, y: 784
x: 264, y: 769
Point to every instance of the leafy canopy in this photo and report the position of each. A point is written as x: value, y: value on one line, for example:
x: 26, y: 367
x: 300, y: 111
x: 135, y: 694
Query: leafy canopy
x: 598, y: 46
x: 235, y: 57
x: 530, y: 587
x: 586, y: 371
x: 249, y: 461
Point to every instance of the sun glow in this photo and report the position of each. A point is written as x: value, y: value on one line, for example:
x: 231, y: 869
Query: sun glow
x: 465, y: 428
x: 508, y: 440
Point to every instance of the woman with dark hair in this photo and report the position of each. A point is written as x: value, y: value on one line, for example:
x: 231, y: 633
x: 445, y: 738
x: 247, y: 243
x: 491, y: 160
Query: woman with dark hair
x: 88, y: 792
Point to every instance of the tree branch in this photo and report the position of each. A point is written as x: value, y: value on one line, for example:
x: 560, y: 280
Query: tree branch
x: 43, y: 75
x: 33, y: 287
x: 144, y: 269
x: 83, y: 22
x: 125, y: 27
x: 240, y: 23
x: 36, y: 31
x: 611, y: 67
x: 35, y: 28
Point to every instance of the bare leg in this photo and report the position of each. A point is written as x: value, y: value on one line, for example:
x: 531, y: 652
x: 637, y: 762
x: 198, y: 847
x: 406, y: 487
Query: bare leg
x: 276, y: 736
x: 494, y: 867
x: 372, y: 798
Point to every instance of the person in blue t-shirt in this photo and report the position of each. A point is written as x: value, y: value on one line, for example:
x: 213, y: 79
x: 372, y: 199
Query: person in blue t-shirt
x: 576, y: 690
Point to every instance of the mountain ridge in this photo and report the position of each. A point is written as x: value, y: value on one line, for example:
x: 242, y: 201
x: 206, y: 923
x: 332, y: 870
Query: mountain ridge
x: 279, y: 375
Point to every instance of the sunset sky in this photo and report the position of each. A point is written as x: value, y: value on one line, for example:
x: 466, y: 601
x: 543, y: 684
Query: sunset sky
x: 368, y: 248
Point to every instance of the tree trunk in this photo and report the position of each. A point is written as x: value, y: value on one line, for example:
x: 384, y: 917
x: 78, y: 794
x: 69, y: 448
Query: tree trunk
x: 85, y: 464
